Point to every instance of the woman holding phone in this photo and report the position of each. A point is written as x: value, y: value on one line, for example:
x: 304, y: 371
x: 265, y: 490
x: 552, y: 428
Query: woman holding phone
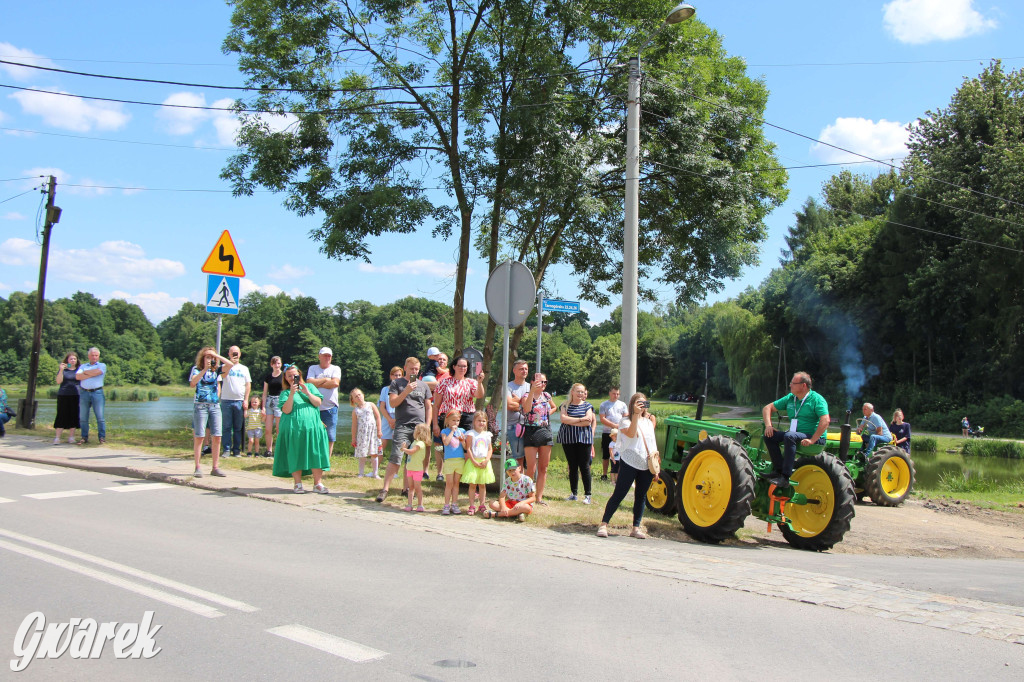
x: 636, y: 441
x: 537, y: 406
x: 301, y: 447
x: 206, y: 406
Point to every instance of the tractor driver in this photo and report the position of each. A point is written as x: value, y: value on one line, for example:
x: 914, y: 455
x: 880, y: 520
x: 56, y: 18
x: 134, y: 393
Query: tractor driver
x: 873, y: 430
x: 807, y: 412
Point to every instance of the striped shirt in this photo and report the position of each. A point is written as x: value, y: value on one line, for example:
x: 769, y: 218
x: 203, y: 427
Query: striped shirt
x: 455, y: 394
x: 576, y: 434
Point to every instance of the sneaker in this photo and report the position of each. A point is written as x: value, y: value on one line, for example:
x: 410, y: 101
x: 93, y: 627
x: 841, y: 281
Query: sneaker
x: 446, y: 510
x: 206, y: 450
x: 586, y: 499
x: 378, y: 477
x: 217, y: 472
x: 407, y: 508
x: 71, y: 440
x: 56, y: 441
x: 521, y: 518
x: 602, y: 530
x: 298, y: 489
x: 571, y: 498
x: 197, y: 474
x: 321, y: 488
x: 383, y: 496
x: 604, y: 478
x: 440, y: 478
x: 420, y: 508
x: 455, y: 509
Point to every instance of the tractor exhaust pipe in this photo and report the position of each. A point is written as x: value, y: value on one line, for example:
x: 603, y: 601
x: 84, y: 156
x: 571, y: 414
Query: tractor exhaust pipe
x: 700, y: 408
x: 844, y: 438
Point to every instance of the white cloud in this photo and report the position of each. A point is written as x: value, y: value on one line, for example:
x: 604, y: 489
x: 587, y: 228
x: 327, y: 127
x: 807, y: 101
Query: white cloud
x: 882, y: 140
x: 247, y: 286
x: 923, y: 21
x: 158, y: 305
x: 289, y: 271
x: 17, y: 251
x: 423, y: 266
x: 226, y: 124
x: 117, y: 263
x: 72, y: 113
x: 17, y: 54
x: 13, y: 215
x: 82, y: 187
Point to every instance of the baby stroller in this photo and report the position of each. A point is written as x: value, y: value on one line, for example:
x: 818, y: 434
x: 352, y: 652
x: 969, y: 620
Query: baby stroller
x: 976, y: 431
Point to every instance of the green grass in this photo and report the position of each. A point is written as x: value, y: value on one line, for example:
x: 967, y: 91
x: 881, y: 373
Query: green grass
x: 1006, y: 449
x: 141, y: 391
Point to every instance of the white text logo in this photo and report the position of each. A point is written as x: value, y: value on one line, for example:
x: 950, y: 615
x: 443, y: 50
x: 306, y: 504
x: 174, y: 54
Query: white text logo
x: 82, y: 638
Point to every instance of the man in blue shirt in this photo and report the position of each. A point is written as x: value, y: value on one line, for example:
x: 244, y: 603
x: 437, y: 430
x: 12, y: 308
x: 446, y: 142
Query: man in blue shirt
x: 873, y: 430
x: 90, y: 388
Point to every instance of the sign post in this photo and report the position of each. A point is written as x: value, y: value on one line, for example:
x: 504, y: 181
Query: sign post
x: 224, y: 269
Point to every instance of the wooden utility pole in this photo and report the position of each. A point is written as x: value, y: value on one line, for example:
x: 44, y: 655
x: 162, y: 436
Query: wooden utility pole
x: 27, y: 405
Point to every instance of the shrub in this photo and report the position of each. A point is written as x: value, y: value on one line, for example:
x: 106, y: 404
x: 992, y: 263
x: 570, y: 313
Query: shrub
x: 924, y: 444
x: 154, y: 395
x: 993, y: 448
x: 964, y: 483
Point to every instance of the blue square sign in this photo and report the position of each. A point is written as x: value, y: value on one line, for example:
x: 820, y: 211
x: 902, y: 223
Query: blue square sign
x: 222, y: 294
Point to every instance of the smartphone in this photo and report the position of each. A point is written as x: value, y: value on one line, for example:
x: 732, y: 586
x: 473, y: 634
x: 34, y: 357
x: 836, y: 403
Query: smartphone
x: 646, y: 404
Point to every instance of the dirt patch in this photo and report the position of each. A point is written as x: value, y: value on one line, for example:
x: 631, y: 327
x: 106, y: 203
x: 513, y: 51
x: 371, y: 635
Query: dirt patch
x: 927, y: 528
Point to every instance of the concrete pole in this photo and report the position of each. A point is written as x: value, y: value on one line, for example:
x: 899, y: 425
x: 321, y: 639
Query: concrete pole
x: 631, y: 233
x: 540, y: 324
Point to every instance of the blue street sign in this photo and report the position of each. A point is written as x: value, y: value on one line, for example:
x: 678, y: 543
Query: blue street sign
x: 556, y: 306
x: 222, y: 294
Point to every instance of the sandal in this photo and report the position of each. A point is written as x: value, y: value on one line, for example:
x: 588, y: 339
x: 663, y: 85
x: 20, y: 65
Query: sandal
x: 638, y: 533
x: 602, y: 530
x: 471, y: 511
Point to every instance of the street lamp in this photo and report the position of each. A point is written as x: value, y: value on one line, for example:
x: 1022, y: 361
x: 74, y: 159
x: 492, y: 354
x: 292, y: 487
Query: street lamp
x: 631, y: 245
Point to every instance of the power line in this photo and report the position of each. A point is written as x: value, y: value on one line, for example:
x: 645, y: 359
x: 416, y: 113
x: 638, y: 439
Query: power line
x: 953, y: 236
x: 762, y: 121
x: 30, y: 177
x: 110, y: 139
x: 115, y: 61
x: 890, y: 63
x: 19, y: 195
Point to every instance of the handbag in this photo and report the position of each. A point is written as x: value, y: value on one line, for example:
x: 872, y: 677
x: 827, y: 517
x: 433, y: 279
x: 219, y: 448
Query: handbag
x: 653, y: 458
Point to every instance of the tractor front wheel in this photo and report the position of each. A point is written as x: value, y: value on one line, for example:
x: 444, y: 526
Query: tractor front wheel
x: 661, y: 496
x: 824, y: 519
x: 889, y: 476
x: 714, y: 489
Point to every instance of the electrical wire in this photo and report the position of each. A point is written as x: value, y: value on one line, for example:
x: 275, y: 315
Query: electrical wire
x: 758, y: 119
x: 19, y: 195
x: 919, y: 61
x: 30, y: 177
x: 953, y: 236
x: 110, y: 139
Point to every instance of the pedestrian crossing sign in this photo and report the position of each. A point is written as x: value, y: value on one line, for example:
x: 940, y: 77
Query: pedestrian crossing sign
x: 224, y: 260
x: 222, y: 294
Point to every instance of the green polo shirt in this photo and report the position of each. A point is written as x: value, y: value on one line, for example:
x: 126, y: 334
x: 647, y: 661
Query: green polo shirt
x: 806, y: 412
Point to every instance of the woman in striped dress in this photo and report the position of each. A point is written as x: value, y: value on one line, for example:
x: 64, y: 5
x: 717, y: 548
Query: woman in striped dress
x: 576, y: 434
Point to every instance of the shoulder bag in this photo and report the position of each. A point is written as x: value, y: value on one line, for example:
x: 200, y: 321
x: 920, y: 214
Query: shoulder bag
x: 653, y: 458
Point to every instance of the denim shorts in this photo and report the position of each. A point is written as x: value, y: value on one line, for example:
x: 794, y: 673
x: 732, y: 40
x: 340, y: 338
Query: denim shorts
x: 255, y: 433
x: 273, y: 405
x: 203, y: 414
x: 330, y: 419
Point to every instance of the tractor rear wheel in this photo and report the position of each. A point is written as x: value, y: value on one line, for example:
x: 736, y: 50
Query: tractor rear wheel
x: 824, y: 520
x: 889, y: 476
x: 714, y: 489
x: 661, y: 496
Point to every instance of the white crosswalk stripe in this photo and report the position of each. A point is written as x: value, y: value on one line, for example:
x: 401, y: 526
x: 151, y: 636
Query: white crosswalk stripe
x: 60, y: 493
x: 136, y: 487
x: 26, y: 471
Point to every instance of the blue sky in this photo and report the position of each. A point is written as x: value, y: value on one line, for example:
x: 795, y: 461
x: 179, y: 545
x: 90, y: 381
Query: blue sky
x: 853, y: 74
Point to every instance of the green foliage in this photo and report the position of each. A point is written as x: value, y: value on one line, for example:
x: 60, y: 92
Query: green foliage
x: 924, y: 444
x: 962, y: 483
x: 603, y: 364
x: 1007, y: 449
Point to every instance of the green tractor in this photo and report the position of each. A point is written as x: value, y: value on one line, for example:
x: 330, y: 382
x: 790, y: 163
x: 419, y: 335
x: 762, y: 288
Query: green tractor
x: 886, y: 476
x: 713, y: 477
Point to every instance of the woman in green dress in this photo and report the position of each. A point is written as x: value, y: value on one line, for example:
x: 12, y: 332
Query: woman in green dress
x: 301, y: 447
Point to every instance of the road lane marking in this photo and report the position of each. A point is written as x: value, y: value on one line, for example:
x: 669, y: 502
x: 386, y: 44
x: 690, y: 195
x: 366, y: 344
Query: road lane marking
x: 135, y: 487
x: 61, y: 493
x: 134, y: 572
x: 352, y: 651
x: 4, y: 499
x: 146, y: 591
x: 26, y: 471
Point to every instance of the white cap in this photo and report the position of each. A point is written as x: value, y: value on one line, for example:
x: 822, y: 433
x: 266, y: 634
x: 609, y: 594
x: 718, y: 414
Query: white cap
x: 433, y: 350
x: 326, y: 351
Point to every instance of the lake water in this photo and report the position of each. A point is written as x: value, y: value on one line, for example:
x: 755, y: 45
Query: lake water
x: 176, y: 412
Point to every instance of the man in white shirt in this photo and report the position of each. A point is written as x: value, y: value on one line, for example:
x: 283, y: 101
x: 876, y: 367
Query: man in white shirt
x: 611, y: 413
x: 234, y: 396
x: 327, y: 378
x: 90, y: 388
x: 516, y: 390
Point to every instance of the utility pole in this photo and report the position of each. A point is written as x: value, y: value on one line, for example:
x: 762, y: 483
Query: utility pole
x: 27, y: 405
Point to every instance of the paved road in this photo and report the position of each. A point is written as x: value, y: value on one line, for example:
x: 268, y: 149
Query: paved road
x: 419, y: 590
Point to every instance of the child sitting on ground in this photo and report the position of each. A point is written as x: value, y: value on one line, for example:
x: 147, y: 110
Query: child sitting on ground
x: 254, y: 426
x: 418, y: 453
x: 517, y: 495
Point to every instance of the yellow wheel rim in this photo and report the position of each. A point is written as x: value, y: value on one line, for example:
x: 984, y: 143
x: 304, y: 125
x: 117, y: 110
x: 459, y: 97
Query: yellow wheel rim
x: 657, y: 494
x: 707, y: 487
x: 812, y: 518
x: 894, y: 477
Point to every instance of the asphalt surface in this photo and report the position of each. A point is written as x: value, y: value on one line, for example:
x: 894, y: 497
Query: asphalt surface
x: 433, y: 595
